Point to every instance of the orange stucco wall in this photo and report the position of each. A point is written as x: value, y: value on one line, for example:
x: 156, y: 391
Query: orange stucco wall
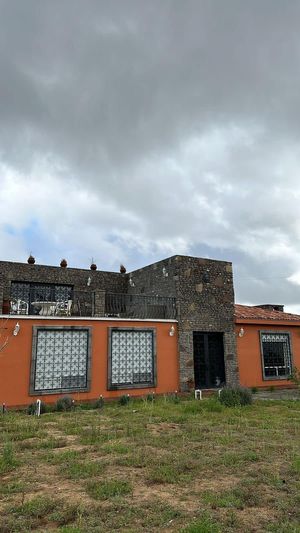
x: 249, y: 353
x: 15, y: 360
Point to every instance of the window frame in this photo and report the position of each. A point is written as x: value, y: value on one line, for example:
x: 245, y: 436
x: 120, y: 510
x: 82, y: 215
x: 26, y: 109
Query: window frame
x: 35, y: 330
x: 273, y: 332
x: 124, y: 386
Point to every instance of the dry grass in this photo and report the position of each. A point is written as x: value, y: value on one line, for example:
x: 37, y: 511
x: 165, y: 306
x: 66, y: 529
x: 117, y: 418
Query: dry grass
x: 194, y: 467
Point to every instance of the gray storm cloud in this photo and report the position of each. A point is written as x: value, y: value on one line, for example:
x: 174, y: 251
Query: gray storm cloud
x: 142, y: 129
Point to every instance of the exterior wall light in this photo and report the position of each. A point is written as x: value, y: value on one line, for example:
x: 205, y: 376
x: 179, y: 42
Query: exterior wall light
x: 89, y: 281
x: 172, y: 331
x: 165, y: 273
x: 241, y: 332
x: 131, y: 282
x: 16, y: 329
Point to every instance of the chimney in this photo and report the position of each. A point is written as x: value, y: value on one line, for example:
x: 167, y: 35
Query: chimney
x: 271, y: 307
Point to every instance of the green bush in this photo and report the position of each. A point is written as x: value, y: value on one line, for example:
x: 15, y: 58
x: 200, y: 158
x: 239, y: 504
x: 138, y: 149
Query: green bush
x: 99, y: 403
x: 64, y: 404
x: 235, y: 396
x: 32, y: 408
x: 150, y: 397
x: 124, y: 400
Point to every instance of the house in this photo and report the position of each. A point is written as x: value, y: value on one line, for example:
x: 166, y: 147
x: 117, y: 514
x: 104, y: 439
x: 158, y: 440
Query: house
x: 268, y: 345
x: 168, y: 326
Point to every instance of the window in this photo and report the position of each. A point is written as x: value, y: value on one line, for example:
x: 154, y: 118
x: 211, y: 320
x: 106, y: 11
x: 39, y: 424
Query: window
x: 60, y: 359
x: 276, y: 355
x: 131, y: 358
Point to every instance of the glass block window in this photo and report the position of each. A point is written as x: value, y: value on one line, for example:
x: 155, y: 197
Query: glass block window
x: 131, y: 358
x: 61, y: 359
x: 276, y: 355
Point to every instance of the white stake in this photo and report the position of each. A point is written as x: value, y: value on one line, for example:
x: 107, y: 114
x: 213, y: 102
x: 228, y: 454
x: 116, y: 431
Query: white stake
x: 38, y: 408
x: 198, y: 394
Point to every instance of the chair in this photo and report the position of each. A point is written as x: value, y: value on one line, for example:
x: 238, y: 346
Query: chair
x: 18, y: 307
x: 63, y: 308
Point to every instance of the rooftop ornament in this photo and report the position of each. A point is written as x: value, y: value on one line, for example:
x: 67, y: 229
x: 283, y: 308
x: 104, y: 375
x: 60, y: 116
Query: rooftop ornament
x: 63, y: 263
x: 93, y: 264
x: 122, y: 269
x: 31, y: 260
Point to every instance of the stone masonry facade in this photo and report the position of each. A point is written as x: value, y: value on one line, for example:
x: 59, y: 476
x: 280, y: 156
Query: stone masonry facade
x: 203, y: 289
x: 204, y: 294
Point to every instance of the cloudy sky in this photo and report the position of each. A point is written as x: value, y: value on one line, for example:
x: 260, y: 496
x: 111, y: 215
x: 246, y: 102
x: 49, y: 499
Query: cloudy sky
x: 134, y: 130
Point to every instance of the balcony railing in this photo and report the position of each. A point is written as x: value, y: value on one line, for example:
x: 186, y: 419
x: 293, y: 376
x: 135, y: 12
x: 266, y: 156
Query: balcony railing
x: 78, y: 303
x: 92, y: 303
x: 139, y: 306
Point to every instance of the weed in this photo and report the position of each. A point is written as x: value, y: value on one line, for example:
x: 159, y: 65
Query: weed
x: 12, y: 487
x: 37, y: 507
x: 205, y: 524
x: 82, y: 469
x: 99, y: 403
x: 107, y: 489
x: 8, y: 460
x: 124, y: 400
x: 235, y: 396
x: 223, y: 499
x: 150, y: 397
x: 66, y: 403
x: 296, y: 465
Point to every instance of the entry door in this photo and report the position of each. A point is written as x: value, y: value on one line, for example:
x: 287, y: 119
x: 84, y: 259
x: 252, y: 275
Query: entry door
x: 209, y: 364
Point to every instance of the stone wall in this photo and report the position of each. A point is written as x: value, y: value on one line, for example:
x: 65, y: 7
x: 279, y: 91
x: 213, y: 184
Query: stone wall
x: 101, y: 282
x: 205, y: 302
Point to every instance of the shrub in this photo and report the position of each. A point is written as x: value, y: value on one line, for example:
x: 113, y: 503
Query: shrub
x: 235, y: 396
x: 64, y: 404
x: 32, y: 408
x: 254, y: 390
x: 99, y: 403
x: 124, y: 400
x: 295, y: 377
x: 150, y: 397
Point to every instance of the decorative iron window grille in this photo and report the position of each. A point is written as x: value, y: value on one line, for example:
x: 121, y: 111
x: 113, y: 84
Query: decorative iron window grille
x: 132, y: 358
x: 23, y: 295
x: 276, y: 355
x: 61, y: 359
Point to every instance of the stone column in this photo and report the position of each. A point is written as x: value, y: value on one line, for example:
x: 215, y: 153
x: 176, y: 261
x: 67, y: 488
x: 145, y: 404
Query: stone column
x: 99, y: 302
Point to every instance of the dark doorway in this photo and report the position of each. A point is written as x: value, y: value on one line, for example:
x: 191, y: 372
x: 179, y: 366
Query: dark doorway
x: 209, y: 364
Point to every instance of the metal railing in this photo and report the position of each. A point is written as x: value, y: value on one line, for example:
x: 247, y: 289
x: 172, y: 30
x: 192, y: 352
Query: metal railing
x: 139, y: 306
x: 83, y: 303
x: 78, y: 303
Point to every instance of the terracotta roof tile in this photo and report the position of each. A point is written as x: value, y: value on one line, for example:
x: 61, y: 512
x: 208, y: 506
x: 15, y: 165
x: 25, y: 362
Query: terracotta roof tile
x: 249, y: 312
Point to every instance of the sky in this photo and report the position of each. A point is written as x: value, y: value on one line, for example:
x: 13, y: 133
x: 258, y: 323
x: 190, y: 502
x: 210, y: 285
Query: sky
x: 131, y: 131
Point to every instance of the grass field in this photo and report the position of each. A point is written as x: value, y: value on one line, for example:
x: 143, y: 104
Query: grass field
x: 193, y: 467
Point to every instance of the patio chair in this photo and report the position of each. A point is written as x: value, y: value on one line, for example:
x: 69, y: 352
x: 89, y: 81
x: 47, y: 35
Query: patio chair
x: 63, y: 308
x: 18, y: 307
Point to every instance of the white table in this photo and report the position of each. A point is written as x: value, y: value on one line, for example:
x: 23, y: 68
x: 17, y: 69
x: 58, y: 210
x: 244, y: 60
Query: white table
x: 46, y: 308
